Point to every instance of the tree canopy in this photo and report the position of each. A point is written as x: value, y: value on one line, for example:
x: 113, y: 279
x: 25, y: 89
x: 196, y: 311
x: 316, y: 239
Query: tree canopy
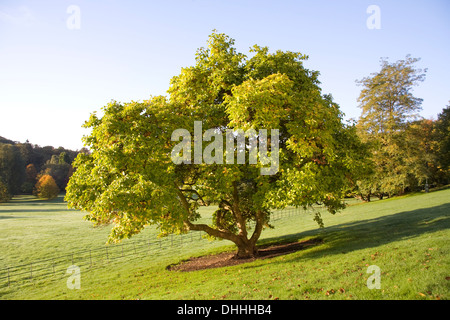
x: 46, y: 187
x: 388, y: 107
x: 130, y: 179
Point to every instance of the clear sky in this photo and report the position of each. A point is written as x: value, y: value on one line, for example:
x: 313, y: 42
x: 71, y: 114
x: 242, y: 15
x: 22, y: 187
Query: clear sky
x: 58, y: 64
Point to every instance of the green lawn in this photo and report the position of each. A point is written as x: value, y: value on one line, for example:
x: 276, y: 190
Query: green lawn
x: 406, y: 237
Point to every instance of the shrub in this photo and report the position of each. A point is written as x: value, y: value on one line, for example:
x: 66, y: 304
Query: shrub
x: 46, y: 187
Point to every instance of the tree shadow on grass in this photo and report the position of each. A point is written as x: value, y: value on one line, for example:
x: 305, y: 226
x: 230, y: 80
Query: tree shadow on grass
x: 347, y: 237
x: 31, y: 204
x: 12, y: 217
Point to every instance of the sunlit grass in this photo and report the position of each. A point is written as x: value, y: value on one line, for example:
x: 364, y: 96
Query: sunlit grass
x: 407, y: 238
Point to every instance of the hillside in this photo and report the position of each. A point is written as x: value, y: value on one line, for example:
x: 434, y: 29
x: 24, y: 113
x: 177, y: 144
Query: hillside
x: 407, y: 238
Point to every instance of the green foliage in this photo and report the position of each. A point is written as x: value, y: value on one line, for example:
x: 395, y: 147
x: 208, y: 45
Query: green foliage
x: 422, y: 152
x: 388, y: 106
x: 4, y: 193
x: 27, y: 187
x: 20, y: 164
x: 63, y: 158
x: 12, y: 167
x: 129, y: 179
x: 31, y: 173
x: 61, y: 172
x: 31, y: 179
x: 443, y: 138
x: 54, y: 159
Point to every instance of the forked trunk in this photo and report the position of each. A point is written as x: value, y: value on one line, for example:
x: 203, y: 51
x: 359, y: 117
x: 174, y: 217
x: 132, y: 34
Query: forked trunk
x: 246, y: 246
x: 246, y: 251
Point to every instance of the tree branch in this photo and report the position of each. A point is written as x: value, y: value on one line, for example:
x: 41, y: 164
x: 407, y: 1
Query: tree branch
x: 258, y: 227
x: 203, y: 227
x: 213, y: 232
x: 196, y: 192
x: 237, y: 212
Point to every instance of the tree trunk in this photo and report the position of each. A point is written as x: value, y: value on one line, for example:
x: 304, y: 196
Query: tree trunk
x: 246, y: 247
x: 246, y: 250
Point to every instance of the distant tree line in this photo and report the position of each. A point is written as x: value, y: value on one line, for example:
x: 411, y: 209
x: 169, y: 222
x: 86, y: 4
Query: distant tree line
x: 31, y: 169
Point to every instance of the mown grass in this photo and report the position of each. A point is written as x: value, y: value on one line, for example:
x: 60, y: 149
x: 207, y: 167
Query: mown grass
x: 407, y: 238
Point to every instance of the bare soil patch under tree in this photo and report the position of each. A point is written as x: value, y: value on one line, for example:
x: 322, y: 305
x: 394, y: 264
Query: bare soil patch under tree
x: 226, y: 259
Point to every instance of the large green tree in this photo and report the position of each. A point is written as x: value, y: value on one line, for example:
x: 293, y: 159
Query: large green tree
x: 133, y: 177
x: 388, y: 105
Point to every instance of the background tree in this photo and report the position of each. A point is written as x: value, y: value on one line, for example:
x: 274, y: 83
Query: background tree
x: 421, y: 153
x: 31, y: 179
x: 12, y: 168
x: 443, y: 138
x: 130, y: 180
x: 388, y: 105
x: 46, y: 187
x: 31, y: 173
x: 4, y: 193
x: 63, y: 158
x: 360, y: 153
x: 59, y: 171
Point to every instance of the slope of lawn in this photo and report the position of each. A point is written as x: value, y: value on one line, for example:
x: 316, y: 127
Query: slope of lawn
x: 406, y: 237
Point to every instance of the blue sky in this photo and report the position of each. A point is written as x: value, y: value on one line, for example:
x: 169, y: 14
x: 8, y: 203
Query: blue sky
x: 52, y: 77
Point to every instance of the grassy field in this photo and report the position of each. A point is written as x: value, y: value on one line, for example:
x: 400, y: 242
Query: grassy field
x: 408, y: 238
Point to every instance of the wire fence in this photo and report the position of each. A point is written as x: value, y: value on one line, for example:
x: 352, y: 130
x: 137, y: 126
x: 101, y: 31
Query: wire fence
x: 97, y: 257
